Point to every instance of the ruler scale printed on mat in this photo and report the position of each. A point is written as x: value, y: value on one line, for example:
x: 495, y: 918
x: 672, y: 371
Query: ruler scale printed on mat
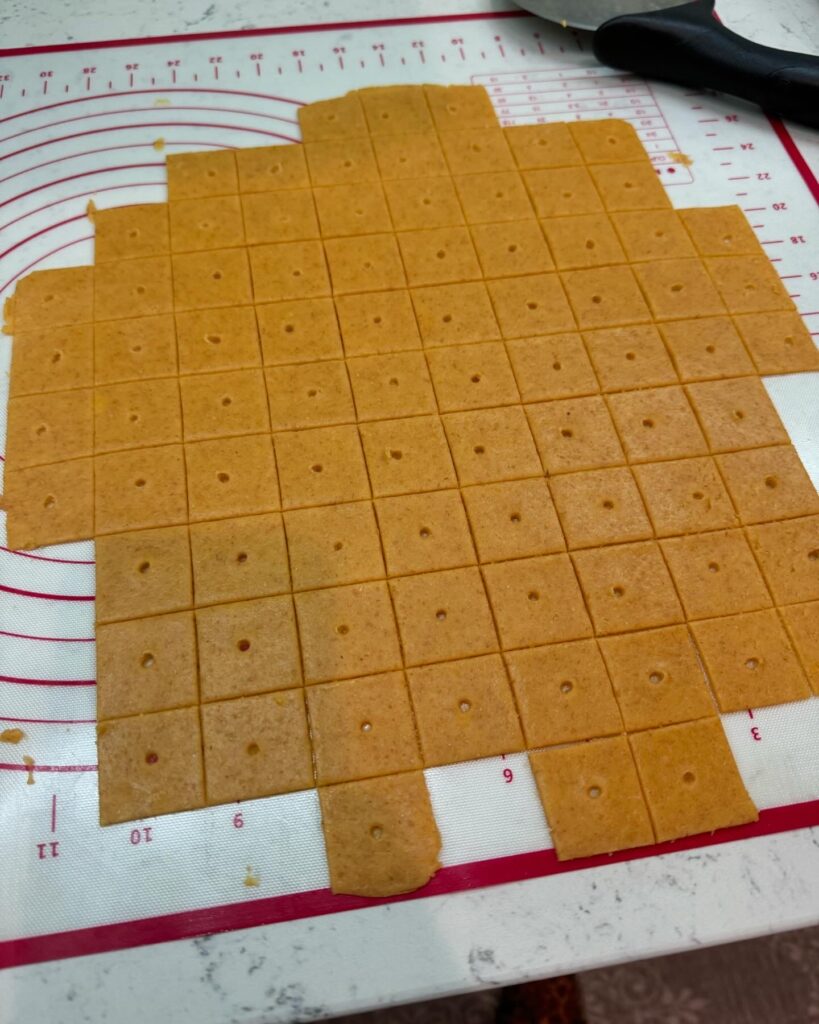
x: 413, y: 413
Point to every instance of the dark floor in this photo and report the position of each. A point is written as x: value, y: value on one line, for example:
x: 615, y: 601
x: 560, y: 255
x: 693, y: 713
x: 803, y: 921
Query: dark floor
x: 773, y: 980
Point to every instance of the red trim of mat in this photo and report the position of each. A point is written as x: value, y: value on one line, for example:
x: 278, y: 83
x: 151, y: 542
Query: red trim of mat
x: 795, y: 154
x: 319, y: 902
x: 282, y: 30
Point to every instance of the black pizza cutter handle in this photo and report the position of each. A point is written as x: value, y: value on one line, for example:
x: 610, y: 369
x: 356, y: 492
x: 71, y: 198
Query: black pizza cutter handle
x: 689, y: 45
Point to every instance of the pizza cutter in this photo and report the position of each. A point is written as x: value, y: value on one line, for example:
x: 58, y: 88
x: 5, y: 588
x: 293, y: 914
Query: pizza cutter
x: 687, y: 44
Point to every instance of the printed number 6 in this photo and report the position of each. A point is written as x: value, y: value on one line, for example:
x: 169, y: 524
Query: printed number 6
x: 238, y: 820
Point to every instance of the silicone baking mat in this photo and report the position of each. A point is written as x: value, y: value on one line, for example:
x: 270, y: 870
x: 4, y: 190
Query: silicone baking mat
x: 80, y: 122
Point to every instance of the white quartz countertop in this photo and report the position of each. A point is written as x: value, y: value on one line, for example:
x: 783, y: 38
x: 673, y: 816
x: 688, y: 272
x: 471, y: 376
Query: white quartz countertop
x: 310, y: 969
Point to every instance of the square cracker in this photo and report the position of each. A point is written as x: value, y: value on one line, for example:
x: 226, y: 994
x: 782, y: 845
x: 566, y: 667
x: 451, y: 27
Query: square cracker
x: 49, y: 428
x: 224, y: 404
x: 629, y: 186
x: 309, y: 395
x: 585, y: 241
x: 477, y: 150
x: 341, y: 117
x: 424, y: 532
x: 652, y: 235
x: 211, y: 223
x: 321, y: 466
x: 442, y: 616
x: 139, y: 287
x: 438, y: 256
x: 736, y: 413
x: 802, y: 623
x: 605, y: 297
x: 357, y: 209
x: 126, y: 232
x: 417, y: 203
x: 563, y: 693
x: 149, y: 765
x: 592, y: 798
x: 552, y: 366
x: 575, y: 434
x: 239, y: 559
x: 347, y: 632
x: 298, y: 331
x: 147, y: 572
x: 380, y: 835
x: 490, y: 445
x: 464, y: 710
x: 409, y: 156
x: 256, y: 746
x: 377, y: 322
x: 493, y: 198
x: 721, y: 231
x: 390, y: 386
x: 137, y: 414
x: 135, y: 490
x: 396, y: 109
x: 219, y: 277
x: 137, y: 349
x: 656, y: 423
x: 750, y: 660
x: 778, y: 342
x: 511, y: 249
x: 627, y: 587
x: 527, y: 306
x: 542, y: 145
x: 193, y: 175
x: 472, y: 376
x: 146, y: 665
x: 334, y: 545
x: 715, y: 574
x: 707, y: 348
x: 767, y: 484
x: 676, y: 289
x: 340, y: 162
x: 536, y: 601
x: 288, y: 216
x: 454, y: 314
x: 657, y: 678
x: 685, y: 496
x: 362, y: 728
x: 407, y: 455
x: 217, y: 339
x: 52, y: 298
x: 247, y: 647
x: 629, y: 358
x: 690, y: 779
x: 608, y: 141
x: 49, y: 504
x: 562, y: 192
x: 513, y: 519
x: 232, y: 476
x: 265, y: 168
x: 364, y: 263
x: 455, y: 107
x: 789, y: 556
x: 285, y: 271
x: 601, y: 506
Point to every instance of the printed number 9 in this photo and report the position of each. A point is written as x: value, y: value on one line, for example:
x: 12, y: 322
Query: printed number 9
x: 508, y: 774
